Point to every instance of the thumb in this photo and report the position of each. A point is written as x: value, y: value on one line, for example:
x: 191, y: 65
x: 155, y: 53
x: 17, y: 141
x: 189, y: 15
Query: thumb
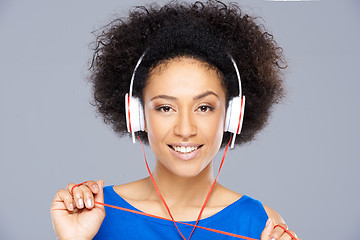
x: 266, y: 234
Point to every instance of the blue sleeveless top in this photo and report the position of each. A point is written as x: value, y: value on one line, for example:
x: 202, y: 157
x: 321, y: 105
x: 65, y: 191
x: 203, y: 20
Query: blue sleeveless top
x: 245, y: 217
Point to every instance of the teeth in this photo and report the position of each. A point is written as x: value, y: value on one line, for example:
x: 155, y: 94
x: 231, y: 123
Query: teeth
x: 183, y: 149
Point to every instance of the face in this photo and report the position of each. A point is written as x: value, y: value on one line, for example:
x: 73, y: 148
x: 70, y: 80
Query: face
x: 184, y: 105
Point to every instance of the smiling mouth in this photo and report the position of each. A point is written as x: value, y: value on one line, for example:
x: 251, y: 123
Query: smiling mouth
x: 183, y: 149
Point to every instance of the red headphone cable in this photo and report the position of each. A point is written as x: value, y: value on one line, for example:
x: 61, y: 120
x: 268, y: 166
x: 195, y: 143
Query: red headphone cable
x: 166, y: 206
x: 168, y: 209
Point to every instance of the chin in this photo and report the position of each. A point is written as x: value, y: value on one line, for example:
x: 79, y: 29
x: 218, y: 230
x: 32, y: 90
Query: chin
x: 189, y: 171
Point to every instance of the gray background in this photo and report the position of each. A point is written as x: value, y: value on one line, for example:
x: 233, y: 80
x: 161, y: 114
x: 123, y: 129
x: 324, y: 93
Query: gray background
x: 304, y: 164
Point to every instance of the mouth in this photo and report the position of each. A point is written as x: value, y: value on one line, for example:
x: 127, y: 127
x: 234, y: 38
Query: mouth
x: 184, y: 149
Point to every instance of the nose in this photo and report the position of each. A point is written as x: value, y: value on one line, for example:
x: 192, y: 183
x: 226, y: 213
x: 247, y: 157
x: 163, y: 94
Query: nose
x: 185, y: 126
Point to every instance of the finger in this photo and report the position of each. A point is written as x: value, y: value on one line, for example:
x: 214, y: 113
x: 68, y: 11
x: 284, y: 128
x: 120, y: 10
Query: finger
x: 82, y: 197
x: 278, y: 232
x: 284, y: 236
x: 77, y: 194
x: 289, y: 235
x: 88, y: 196
x: 266, y: 234
x: 63, y: 196
x: 70, y: 187
x: 94, y: 186
x: 293, y: 235
x: 99, y: 198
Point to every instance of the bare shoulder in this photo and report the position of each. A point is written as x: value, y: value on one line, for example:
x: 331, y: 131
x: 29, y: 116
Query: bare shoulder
x: 136, y: 190
x: 228, y: 196
x: 225, y: 196
x: 275, y: 216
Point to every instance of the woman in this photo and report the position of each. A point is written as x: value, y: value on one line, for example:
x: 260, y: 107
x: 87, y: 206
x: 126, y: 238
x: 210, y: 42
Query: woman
x: 181, y: 65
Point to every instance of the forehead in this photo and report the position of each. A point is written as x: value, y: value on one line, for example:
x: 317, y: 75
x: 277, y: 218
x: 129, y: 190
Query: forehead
x: 184, y: 74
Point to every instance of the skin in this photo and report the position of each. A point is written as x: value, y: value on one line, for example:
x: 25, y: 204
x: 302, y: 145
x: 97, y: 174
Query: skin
x: 184, y: 102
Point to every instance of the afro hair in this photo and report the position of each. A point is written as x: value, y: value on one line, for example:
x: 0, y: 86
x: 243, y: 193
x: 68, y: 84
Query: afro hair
x: 209, y: 31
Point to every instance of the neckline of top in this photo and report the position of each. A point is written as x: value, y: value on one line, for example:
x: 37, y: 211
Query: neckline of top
x: 203, y: 221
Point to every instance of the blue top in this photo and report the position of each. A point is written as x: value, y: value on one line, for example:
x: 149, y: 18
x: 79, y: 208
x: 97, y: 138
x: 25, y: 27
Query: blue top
x: 245, y: 217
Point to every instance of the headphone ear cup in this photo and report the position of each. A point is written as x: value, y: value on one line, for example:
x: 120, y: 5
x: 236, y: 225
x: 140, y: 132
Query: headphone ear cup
x: 141, y: 116
x: 134, y: 114
x: 127, y: 112
x: 235, y: 115
x: 228, y: 116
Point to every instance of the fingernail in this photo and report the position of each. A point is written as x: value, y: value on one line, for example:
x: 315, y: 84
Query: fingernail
x: 273, y: 238
x: 102, y: 184
x: 81, y: 202
x: 71, y: 206
x: 88, y: 202
x: 96, y: 187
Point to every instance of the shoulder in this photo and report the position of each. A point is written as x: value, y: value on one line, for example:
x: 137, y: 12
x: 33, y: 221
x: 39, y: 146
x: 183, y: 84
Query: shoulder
x: 137, y: 190
x: 275, y: 216
x: 222, y: 196
x: 230, y: 196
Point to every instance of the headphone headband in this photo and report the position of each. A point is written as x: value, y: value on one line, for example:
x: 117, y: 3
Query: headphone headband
x: 237, y: 74
x: 134, y: 72
x: 144, y: 53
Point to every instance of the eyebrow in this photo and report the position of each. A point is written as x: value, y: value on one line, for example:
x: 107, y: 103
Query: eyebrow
x: 207, y: 93
x: 202, y: 95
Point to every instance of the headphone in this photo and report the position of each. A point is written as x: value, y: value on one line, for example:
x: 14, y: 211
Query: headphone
x: 135, y: 120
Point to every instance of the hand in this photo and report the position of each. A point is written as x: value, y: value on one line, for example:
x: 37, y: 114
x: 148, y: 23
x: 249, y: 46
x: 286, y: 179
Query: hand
x: 271, y: 233
x: 76, y: 216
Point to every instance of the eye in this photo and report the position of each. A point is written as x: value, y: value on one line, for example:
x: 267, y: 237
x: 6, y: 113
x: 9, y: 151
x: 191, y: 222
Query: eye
x: 164, y: 108
x: 205, y: 108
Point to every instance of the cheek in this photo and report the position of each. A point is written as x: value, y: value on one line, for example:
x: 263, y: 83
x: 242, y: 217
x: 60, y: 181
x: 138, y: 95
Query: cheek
x: 213, y: 129
x: 151, y: 129
x: 156, y: 127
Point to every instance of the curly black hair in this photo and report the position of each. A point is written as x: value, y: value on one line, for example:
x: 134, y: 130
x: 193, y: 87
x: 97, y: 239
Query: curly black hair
x: 209, y: 31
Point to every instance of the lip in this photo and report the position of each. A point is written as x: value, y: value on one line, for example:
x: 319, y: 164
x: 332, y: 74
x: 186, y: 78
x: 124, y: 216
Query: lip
x: 185, y: 156
x: 184, y: 144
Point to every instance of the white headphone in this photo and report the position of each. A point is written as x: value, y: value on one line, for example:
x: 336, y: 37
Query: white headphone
x: 135, y: 114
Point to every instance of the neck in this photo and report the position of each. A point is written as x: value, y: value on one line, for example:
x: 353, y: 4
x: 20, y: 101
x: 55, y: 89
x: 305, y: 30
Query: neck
x: 183, y: 190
